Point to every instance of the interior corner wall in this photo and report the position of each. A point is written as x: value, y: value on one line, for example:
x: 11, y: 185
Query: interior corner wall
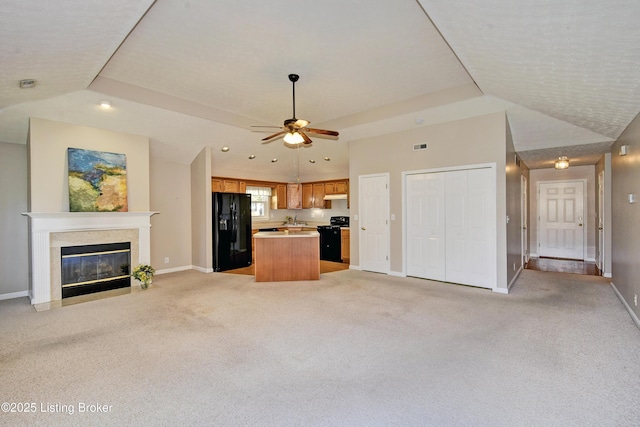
x: 48, y: 163
x: 475, y: 140
x: 201, y: 212
x: 14, y: 234
x: 514, y: 209
x: 625, y: 216
x: 587, y: 173
x: 171, y: 228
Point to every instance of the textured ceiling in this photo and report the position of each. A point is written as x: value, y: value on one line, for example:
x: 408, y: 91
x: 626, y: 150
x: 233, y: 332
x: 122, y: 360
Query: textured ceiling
x: 194, y: 74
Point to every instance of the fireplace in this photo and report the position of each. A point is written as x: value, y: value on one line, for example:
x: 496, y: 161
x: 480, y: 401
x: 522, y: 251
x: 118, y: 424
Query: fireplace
x: 50, y: 232
x: 87, y: 269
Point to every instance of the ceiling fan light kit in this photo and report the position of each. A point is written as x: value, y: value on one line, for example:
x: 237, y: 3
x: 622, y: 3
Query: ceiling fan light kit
x: 294, y: 131
x: 293, y: 138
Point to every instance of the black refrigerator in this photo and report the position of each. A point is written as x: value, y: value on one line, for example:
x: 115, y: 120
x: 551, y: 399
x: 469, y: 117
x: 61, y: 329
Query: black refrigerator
x: 231, y: 231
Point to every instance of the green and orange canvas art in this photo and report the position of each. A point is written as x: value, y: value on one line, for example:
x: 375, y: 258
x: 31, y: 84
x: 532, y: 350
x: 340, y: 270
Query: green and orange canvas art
x: 97, y: 181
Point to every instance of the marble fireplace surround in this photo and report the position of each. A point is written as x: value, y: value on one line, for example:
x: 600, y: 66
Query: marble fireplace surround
x: 51, y: 231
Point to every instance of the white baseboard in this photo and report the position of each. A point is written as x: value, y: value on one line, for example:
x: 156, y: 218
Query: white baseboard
x: 590, y: 260
x: 633, y: 315
x: 202, y: 269
x: 175, y: 269
x: 533, y: 256
x: 500, y: 290
x: 13, y: 295
x: 354, y: 267
x: 607, y: 275
x: 397, y: 274
x: 511, y: 282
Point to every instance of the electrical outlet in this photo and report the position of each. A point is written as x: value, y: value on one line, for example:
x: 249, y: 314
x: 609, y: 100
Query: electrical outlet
x: 166, y: 260
x: 635, y: 300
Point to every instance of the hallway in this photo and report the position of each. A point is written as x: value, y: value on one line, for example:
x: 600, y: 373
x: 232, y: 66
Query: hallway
x: 563, y: 266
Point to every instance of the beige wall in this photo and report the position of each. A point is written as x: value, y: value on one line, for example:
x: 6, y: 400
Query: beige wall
x: 171, y: 229
x: 625, y: 180
x: 587, y: 173
x: 14, y: 237
x: 48, y: 170
x: 201, y: 212
x: 476, y: 140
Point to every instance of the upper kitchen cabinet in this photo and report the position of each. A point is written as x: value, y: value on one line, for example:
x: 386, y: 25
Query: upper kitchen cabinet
x: 280, y: 201
x: 336, y: 187
x: 225, y: 185
x: 313, y: 196
x: 294, y: 196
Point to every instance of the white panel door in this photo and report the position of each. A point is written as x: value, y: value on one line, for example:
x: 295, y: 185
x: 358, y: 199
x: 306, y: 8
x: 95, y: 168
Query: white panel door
x: 561, y: 229
x: 470, y: 225
x: 600, y: 257
x: 374, y: 223
x: 426, y: 226
x: 524, y: 212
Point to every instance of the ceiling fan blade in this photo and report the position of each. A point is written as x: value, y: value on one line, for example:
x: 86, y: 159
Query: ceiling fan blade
x: 274, y: 135
x: 322, y: 131
x: 268, y: 127
x: 307, y: 140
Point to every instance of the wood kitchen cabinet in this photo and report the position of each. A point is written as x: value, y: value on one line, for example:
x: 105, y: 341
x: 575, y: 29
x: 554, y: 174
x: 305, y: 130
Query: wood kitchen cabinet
x: 307, y: 196
x: 345, y: 244
x: 281, y: 197
x: 336, y: 187
x: 294, y: 196
x: 313, y: 196
x: 217, y: 186
x: 223, y: 185
x: 318, y: 195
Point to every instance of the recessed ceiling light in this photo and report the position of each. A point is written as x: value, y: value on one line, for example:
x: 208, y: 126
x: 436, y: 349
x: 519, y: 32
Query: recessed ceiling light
x: 311, y: 161
x: 419, y: 120
x: 225, y: 149
x: 251, y: 157
x: 327, y: 159
x: 274, y: 160
x: 104, y: 103
x: 27, y: 83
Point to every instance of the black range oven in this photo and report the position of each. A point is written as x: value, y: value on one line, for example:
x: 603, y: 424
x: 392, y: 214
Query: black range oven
x: 331, y: 238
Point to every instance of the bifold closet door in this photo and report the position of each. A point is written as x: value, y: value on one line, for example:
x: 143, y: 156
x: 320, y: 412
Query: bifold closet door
x: 426, y: 226
x: 469, y: 248
x: 449, y: 223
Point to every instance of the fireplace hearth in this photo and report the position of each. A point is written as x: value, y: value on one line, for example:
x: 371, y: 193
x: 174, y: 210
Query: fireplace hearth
x: 87, y: 269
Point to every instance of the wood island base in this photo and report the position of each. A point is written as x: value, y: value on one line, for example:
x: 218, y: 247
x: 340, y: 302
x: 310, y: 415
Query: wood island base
x: 285, y: 256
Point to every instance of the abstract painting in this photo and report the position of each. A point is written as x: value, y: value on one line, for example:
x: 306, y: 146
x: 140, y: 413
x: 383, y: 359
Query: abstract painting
x: 97, y: 181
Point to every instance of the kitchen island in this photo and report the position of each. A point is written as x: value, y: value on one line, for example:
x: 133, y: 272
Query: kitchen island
x: 287, y: 255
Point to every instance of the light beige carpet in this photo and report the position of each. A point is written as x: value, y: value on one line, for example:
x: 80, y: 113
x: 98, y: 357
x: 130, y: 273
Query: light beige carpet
x: 353, y: 349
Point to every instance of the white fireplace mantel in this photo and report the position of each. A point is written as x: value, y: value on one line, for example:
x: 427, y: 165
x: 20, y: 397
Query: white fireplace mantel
x: 43, y: 224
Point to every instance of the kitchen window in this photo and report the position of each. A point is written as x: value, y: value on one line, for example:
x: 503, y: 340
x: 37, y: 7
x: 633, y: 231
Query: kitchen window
x: 260, y: 201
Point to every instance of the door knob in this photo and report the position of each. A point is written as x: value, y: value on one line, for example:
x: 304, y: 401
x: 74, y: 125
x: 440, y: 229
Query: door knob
x: 580, y: 225
x: 362, y: 228
x: 600, y: 228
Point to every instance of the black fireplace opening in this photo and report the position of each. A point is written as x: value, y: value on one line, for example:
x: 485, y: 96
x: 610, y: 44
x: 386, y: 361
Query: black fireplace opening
x: 88, y: 269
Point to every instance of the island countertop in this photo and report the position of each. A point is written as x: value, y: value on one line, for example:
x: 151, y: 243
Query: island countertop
x: 285, y: 234
x: 283, y: 256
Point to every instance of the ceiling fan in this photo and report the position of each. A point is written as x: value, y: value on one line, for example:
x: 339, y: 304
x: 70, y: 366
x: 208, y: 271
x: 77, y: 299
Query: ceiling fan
x: 295, y: 130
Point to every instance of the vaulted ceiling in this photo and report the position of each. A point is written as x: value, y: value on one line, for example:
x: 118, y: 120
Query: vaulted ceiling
x: 190, y: 74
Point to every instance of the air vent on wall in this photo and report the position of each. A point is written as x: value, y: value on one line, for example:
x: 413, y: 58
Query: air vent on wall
x: 27, y: 83
x: 417, y: 147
